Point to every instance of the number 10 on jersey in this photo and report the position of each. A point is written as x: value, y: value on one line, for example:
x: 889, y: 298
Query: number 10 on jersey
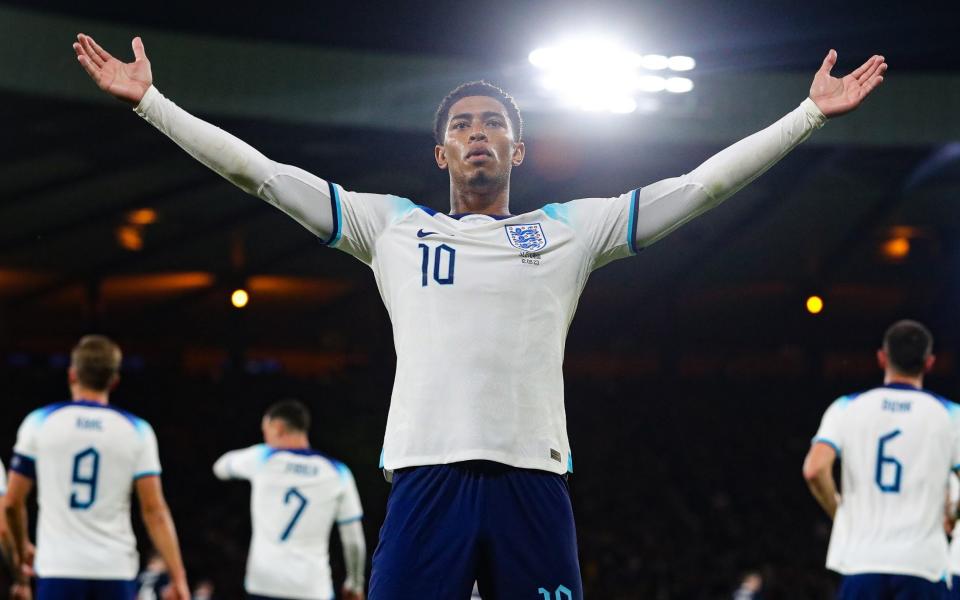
x: 444, y: 259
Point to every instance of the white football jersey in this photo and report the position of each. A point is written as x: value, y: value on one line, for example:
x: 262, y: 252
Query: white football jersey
x: 897, y: 445
x: 480, y: 308
x: 296, y: 497
x: 85, y: 457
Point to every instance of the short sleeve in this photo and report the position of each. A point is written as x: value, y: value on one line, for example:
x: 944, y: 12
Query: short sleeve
x: 361, y: 218
x: 148, y: 463
x: 831, y: 427
x: 954, y: 409
x: 350, y: 508
x: 26, y: 445
x: 241, y: 464
x: 3, y: 480
x: 605, y: 225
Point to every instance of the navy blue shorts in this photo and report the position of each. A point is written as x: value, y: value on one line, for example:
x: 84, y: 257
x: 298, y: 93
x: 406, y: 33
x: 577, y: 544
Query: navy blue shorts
x: 878, y: 586
x: 954, y: 593
x: 55, y: 588
x: 510, y: 530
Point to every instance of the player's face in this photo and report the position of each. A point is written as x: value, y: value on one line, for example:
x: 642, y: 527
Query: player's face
x: 479, y: 148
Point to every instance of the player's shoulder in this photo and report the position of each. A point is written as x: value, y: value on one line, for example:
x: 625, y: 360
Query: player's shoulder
x: 845, y: 400
x: 571, y: 210
x: 39, y: 415
x: 391, y: 204
x: 94, y: 411
x: 902, y: 398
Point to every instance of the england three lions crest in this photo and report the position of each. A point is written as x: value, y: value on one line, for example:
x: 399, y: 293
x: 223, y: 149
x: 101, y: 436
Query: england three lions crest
x: 527, y: 237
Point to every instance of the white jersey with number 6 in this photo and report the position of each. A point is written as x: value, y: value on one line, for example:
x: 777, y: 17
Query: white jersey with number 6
x: 85, y: 457
x: 897, y: 445
x: 296, y: 497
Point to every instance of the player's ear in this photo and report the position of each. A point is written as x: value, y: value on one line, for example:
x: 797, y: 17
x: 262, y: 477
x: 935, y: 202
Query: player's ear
x: 114, y: 383
x: 440, y: 154
x: 882, y: 359
x: 519, y: 151
x: 71, y: 375
x: 928, y: 363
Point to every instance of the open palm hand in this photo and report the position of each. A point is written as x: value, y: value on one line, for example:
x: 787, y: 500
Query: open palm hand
x: 124, y: 81
x: 835, y: 96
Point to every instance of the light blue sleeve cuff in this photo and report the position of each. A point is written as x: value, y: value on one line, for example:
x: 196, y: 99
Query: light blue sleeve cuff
x: 830, y: 443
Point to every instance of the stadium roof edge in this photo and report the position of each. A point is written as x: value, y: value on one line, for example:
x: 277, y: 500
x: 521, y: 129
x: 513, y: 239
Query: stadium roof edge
x: 300, y: 83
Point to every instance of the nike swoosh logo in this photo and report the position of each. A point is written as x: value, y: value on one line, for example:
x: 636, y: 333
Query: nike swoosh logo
x: 423, y: 234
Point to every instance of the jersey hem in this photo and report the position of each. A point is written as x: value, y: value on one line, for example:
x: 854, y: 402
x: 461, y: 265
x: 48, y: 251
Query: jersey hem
x: 548, y: 465
x: 931, y: 576
x: 282, y: 595
x: 86, y: 575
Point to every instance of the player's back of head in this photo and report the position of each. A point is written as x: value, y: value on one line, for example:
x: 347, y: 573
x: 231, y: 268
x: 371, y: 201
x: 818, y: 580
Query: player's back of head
x: 95, y: 360
x: 294, y: 414
x: 908, y: 345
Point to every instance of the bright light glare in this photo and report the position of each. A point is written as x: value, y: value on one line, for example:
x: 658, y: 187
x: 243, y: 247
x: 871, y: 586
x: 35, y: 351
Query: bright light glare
x: 623, y: 105
x: 239, y: 298
x: 652, y: 83
x: 600, y: 75
x: 814, y: 305
x: 654, y: 62
x: 678, y: 85
x: 681, y: 63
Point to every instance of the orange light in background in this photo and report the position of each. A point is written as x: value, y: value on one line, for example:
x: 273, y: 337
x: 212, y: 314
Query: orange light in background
x: 153, y: 284
x: 239, y: 298
x: 896, y: 248
x: 129, y: 238
x: 814, y: 305
x: 142, y: 216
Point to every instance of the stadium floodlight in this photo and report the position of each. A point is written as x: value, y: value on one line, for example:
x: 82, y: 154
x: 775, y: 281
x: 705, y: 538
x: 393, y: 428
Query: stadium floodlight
x: 814, y: 305
x: 602, y: 75
x: 681, y: 63
x: 654, y: 62
x: 652, y: 83
x: 678, y: 85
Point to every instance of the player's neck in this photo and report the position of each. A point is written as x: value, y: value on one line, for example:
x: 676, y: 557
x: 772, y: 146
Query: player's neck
x: 82, y: 394
x: 292, y: 441
x: 891, y: 377
x: 484, y: 201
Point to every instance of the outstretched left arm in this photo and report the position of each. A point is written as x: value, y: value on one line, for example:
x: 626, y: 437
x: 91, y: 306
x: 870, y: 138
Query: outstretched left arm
x: 668, y: 204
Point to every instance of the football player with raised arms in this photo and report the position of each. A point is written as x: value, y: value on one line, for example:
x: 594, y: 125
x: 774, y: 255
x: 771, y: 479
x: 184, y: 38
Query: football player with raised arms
x: 296, y: 495
x: 476, y: 434
x: 85, y: 458
x: 897, y: 445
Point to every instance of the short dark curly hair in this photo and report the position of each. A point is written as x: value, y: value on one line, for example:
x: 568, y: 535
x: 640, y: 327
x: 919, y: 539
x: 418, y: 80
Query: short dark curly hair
x: 293, y: 413
x: 908, y: 344
x: 476, y: 88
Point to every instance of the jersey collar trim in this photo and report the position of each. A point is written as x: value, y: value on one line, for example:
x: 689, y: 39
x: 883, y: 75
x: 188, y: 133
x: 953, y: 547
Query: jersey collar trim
x: 902, y: 386
x: 459, y: 216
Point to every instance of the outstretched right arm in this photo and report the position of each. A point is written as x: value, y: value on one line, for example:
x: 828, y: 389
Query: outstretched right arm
x: 305, y: 197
